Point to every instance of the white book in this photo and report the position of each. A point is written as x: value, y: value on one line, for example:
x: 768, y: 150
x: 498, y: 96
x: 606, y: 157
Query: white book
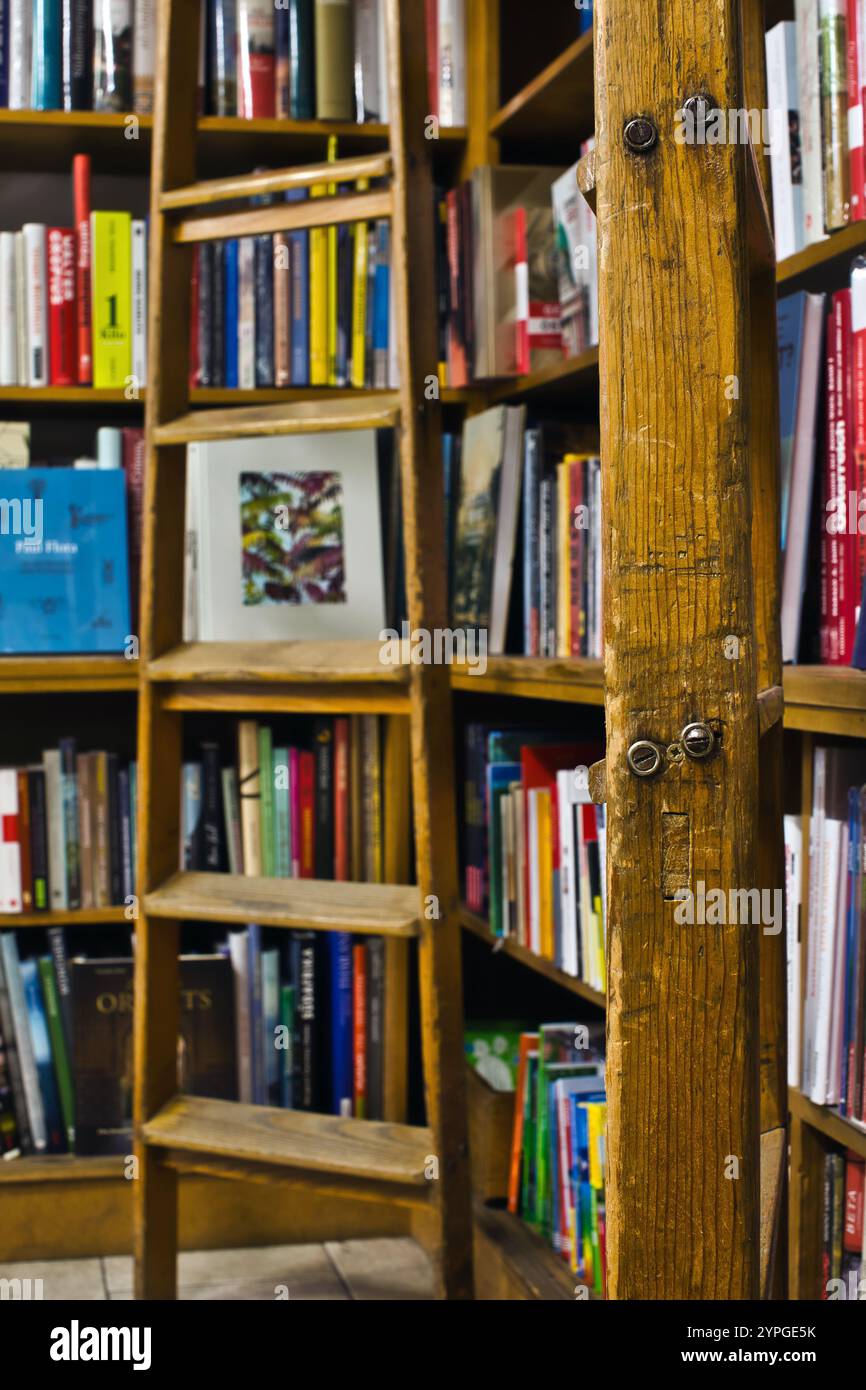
x: 809, y: 82
x: 21, y: 1025
x: 506, y: 830
x: 816, y: 846
x: 793, y: 901
x: 587, y: 945
x: 601, y: 830
x: 803, y: 461
x: 826, y: 955
x: 782, y: 100
x: 139, y: 300
x: 567, y: 879
x: 8, y: 312
x: 507, y: 509
x: 109, y: 447
x: 190, y: 618
x: 519, y: 812
x: 837, y: 991
x: 21, y: 309
x: 290, y: 539
x: 35, y: 239
x: 239, y: 956
x: 246, y: 314
x: 367, y: 78
x: 452, y: 62
x: 10, y: 850
x: 588, y: 238
x: 20, y: 23
x: 56, y: 832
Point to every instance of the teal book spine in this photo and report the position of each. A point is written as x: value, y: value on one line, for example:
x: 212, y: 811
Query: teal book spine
x: 266, y: 805
x: 45, y: 67
x: 282, y: 815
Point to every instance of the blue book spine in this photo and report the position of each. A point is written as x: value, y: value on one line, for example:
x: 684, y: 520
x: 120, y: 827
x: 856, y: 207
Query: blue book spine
x: 282, y: 815
x: 38, y: 1022
x: 230, y: 264
x: 46, y: 55
x: 849, y: 1016
x: 381, y: 290
x: 584, y: 16
x: 299, y: 260
x: 301, y: 59
x: 340, y: 971
x: 4, y: 53
x: 257, y: 1024
x: 263, y: 271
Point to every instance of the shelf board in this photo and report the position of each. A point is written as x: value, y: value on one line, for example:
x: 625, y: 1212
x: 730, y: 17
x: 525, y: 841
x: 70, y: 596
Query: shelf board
x: 514, y: 1262
x: 808, y: 268
x: 81, y: 916
x: 828, y: 1122
x: 557, y: 107
x: 825, y: 699
x: 576, y: 681
x: 471, y: 922
x: 561, y: 381
x: 66, y: 673
x: 61, y: 1168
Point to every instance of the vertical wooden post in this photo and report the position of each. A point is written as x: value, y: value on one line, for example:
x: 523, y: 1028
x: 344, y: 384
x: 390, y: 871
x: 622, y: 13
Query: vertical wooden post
x: 420, y: 443
x: 682, y: 1070
x: 159, y: 733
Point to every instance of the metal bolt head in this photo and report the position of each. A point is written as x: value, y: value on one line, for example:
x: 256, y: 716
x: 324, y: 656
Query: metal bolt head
x: 698, y: 740
x: 640, y: 135
x: 645, y: 759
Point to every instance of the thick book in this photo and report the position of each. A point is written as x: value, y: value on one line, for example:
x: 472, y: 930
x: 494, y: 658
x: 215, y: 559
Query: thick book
x: 333, y: 46
x: 76, y: 54
x: 256, y: 59
x: 802, y: 470
x: 307, y: 977
x: 36, y: 302
x: 339, y: 954
x: 61, y: 307
x: 46, y: 87
x: 249, y: 795
x: 111, y: 248
x: 785, y: 158
x: 11, y: 897
x: 301, y: 60
x: 83, y: 307
x: 112, y: 55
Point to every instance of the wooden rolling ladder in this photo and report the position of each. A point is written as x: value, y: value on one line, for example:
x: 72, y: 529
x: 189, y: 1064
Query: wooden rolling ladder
x: 387, y: 1162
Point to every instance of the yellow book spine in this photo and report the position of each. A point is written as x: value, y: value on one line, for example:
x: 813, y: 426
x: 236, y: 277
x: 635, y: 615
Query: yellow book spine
x: 598, y: 913
x: 111, y: 298
x: 596, y: 1116
x: 331, y: 235
x: 318, y: 298
x: 563, y: 562
x: 545, y: 876
x: 359, y: 300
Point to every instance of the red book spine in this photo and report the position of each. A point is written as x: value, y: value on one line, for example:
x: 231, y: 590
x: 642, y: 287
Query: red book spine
x: 828, y: 516
x: 359, y: 1028
x: 81, y: 201
x: 341, y: 800
x: 257, y: 67
x: 24, y: 840
x: 457, y: 369
x: 61, y: 307
x: 858, y: 413
x: 431, y: 26
x: 193, y: 325
x: 846, y: 484
x: 855, y: 117
x: 307, y: 798
x: 852, y: 1236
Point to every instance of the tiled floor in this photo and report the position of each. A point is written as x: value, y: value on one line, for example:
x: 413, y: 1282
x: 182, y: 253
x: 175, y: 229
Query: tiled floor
x: 387, y: 1269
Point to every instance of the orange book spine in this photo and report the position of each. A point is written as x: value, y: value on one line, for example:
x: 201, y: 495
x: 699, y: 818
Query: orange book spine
x: 527, y: 1042
x: 341, y: 800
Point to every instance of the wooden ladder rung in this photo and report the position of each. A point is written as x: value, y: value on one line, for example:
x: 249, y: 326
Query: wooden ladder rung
x: 367, y: 410
x: 286, y: 217
x: 381, y: 909
x: 224, y: 1132
x: 193, y: 195
x: 771, y: 708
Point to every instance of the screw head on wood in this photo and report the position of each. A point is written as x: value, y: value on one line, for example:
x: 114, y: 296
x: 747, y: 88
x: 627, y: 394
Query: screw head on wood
x: 698, y: 740
x: 644, y: 758
x: 640, y: 134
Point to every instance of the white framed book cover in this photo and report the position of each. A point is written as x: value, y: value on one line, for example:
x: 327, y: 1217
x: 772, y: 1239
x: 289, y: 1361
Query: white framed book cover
x: 287, y: 541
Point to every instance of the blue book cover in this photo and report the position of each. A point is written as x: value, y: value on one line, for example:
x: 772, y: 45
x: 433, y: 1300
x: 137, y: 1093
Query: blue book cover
x: 301, y: 59
x: 381, y: 290
x: 230, y: 339
x: 38, y: 1022
x: 64, y: 567
x: 790, y: 318
x: 584, y: 16
x: 299, y: 260
x: 257, y: 1023
x: 340, y: 985
x: 271, y: 1012
x: 852, y: 924
x: 45, y: 67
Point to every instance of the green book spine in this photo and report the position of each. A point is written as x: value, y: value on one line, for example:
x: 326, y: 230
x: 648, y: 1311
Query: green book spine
x: 266, y: 806
x: 58, y: 1047
x: 529, y: 1173
x: 282, y: 815
x: 287, y: 1019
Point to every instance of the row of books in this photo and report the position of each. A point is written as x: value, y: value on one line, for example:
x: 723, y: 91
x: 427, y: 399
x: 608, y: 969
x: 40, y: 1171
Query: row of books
x: 833, y: 1022
x: 534, y: 844
x: 843, y: 1239
x: 528, y: 501
x: 303, y: 59
x: 287, y: 1019
x: 73, y: 300
x: 816, y: 93
x: 517, y: 272
x: 556, y: 1181
x: 68, y: 832
x: 309, y: 808
x: 822, y: 389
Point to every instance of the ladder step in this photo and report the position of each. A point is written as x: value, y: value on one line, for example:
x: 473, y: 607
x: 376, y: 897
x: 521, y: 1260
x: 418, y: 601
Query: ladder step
x: 285, y: 663
x: 286, y: 217
x: 254, y: 1135
x: 370, y: 411
x: 382, y: 909
x: 364, y: 166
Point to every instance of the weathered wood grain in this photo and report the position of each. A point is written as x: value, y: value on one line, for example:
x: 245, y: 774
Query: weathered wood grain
x: 365, y: 166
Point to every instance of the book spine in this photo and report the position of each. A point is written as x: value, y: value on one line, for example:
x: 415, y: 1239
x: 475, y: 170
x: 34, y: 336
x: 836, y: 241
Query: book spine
x: 127, y: 880
x: 288, y: 1021
x: 256, y: 60
x: 299, y: 246
x: 431, y: 31
x: 112, y: 55
x: 359, y: 302
x: 375, y: 1028
x: 13, y: 1062
x: 8, y: 312
x: 38, y: 839
x: 271, y: 1017
x: 111, y: 237
x: 35, y: 1109
x: 234, y: 845
x: 5, y: 55
x: 24, y: 840
x: 213, y: 821
x: 144, y: 56
x: 76, y: 54
x: 532, y: 445
x: 282, y: 66
x: 239, y: 956
x: 301, y: 68
x: 139, y: 301
x: 59, y: 1054
x: 37, y: 303
x: 282, y: 815
x: 56, y: 840
x: 381, y: 295
x: 323, y: 835
x: 61, y: 306
x: 69, y: 794
x: 340, y: 965
x: 115, y: 845
x: 230, y: 358
x: 341, y: 801
x: 257, y: 1024
x: 86, y: 825
x: 38, y: 1026
x: 190, y: 817
x: 834, y: 111
x: 81, y: 199
x: 266, y: 802
x: 452, y: 62
x: 345, y: 301
x: 218, y: 317
x: 333, y: 47
x: 133, y: 457
x: 263, y: 271
x: 101, y: 836
x: 249, y: 795
x: 359, y: 1015
x: 367, y: 76
x: 246, y: 314
x: 307, y: 812
x: 222, y: 48
x: 318, y: 237
x: 855, y: 113
x: 194, y: 327
x: 45, y: 90
x: 809, y: 87
x: 282, y: 312
x: 20, y: 42
x: 305, y: 977
x: 295, y: 804
x: 204, y: 375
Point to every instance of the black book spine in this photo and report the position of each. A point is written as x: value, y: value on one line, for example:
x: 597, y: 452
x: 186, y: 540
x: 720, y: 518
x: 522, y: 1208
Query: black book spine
x: 39, y: 841
x: 323, y: 742
x: 25, y: 1141
x: 375, y: 1028
x: 205, y: 313
x: 218, y: 314
x: 212, y: 822
x: 76, y: 54
x: 115, y: 836
x: 69, y: 782
x: 306, y: 973
x: 264, y: 290
x: 125, y: 833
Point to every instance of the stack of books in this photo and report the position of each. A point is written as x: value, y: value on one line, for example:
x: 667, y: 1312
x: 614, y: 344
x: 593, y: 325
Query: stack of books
x: 843, y: 1250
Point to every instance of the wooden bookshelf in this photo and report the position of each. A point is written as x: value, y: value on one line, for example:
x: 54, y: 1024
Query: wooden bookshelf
x: 828, y: 1122
x: 64, y: 674
x: 471, y: 922
x: 556, y: 108
x: 514, y: 1263
x: 79, y: 917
